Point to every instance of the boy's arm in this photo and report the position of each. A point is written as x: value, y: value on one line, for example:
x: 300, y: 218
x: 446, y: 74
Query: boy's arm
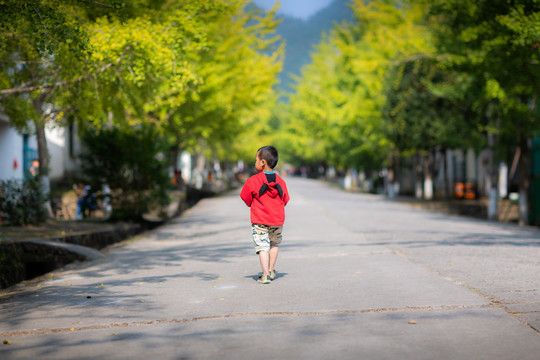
x: 285, y: 193
x: 246, y: 194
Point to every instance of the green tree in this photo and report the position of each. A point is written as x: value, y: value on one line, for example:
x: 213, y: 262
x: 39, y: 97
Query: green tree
x: 337, y: 111
x: 427, y: 112
x: 37, y: 37
x: 497, y: 42
x: 196, y: 68
x: 236, y: 72
x: 136, y: 174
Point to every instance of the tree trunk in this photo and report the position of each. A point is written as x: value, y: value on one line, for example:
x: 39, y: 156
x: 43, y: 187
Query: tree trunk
x: 173, y: 161
x: 446, y: 192
x: 43, y: 154
x: 524, y: 180
x: 199, y: 170
x: 493, y: 181
x: 390, y: 177
x: 418, y: 182
x: 428, y: 180
x: 397, y: 173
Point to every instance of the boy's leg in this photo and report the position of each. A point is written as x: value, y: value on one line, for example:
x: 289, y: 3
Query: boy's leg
x: 274, y: 251
x: 275, y: 240
x: 264, y: 259
x: 262, y: 246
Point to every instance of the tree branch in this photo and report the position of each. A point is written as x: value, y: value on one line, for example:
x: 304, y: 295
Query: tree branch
x: 417, y: 57
x: 24, y: 88
x: 101, y: 4
x: 44, y: 27
x: 25, y: 62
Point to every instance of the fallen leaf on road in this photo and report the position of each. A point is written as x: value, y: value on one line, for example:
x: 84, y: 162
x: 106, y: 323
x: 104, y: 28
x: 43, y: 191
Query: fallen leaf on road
x: 221, y: 298
x: 6, y: 342
x: 412, y: 322
x: 101, y: 285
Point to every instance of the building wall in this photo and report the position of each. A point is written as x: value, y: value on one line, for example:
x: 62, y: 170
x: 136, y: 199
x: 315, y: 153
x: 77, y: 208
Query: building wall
x: 11, y: 151
x: 62, y: 142
x: 11, y: 154
x: 56, y: 145
x: 461, y: 165
x: 471, y: 166
x: 64, y: 147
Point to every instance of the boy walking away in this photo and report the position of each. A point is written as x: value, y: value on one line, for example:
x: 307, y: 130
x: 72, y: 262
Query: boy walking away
x: 266, y: 194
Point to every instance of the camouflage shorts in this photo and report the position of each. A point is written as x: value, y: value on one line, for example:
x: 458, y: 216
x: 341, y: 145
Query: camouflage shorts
x: 265, y: 236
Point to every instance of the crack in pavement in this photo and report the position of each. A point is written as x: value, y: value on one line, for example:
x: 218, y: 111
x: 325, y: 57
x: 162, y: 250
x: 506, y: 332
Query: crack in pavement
x: 45, y: 331
x: 494, y: 301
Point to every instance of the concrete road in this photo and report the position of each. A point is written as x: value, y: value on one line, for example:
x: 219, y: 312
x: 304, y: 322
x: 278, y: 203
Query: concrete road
x: 359, y: 277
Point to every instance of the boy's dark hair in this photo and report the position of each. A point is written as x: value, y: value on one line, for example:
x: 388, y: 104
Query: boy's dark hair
x: 269, y: 154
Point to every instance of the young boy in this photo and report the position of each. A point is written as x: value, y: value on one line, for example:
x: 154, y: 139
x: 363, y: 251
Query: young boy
x: 266, y: 194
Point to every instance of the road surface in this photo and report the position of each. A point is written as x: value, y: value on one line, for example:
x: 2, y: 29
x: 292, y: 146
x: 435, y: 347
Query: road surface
x: 359, y: 277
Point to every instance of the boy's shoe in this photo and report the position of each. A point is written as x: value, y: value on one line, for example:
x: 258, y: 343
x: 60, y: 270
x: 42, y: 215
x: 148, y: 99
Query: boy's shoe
x: 272, y: 274
x: 264, y: 280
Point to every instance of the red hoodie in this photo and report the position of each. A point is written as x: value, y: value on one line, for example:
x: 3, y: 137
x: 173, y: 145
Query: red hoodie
x: 267, y: 195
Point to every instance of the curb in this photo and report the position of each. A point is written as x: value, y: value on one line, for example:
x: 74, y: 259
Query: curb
x: 28, y: 258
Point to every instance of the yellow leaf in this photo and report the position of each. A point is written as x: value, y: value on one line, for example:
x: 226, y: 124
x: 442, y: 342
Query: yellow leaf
x: 412, y: 322
x: 6, y: 342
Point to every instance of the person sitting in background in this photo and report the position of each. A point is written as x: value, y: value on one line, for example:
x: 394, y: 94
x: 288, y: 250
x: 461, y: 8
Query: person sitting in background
x: 86, y: 200
x: 34, y: 169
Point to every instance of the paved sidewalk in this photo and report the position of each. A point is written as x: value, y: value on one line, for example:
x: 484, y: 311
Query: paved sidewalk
x: 359, y: 277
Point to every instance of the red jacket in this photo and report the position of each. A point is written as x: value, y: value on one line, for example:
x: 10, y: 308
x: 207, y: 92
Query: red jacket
x: 267, y: 195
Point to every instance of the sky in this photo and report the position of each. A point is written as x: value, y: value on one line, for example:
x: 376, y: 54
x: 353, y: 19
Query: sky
x: 298, y: 8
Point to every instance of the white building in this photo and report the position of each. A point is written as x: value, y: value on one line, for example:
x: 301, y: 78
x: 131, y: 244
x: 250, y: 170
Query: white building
x: 64, y: 147
x: 18, y: 150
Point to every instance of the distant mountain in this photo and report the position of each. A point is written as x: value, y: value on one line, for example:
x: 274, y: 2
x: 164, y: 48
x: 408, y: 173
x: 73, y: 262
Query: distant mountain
x: 302, y: 35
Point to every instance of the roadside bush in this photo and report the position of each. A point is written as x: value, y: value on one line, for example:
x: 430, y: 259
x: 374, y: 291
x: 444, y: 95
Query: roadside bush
x: 132, y: 162
x: 22, y: 201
